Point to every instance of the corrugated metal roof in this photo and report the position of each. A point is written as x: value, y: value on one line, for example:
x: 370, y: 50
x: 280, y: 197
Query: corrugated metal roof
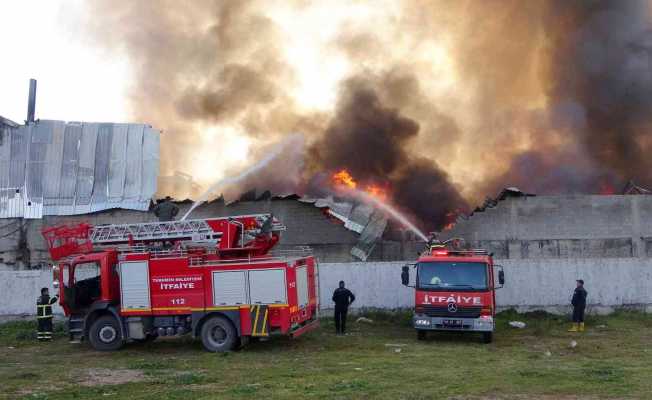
x: 58, y: 168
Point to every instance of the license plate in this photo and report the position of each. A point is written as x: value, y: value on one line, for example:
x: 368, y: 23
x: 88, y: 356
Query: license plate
x: 455, y: 323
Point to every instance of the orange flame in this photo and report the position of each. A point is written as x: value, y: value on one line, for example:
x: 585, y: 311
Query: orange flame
x: 376, y: 191
x: 451, y: 218
x: 344, y: 178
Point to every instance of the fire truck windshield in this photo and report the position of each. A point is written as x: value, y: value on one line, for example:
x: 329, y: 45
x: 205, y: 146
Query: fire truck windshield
x: 452, y: 276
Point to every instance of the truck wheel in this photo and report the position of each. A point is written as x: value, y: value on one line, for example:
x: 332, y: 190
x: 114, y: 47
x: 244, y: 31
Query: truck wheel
x: 487, y: 337
x: 421, y: 335
x: 105, y: 334
x: 218, y: 335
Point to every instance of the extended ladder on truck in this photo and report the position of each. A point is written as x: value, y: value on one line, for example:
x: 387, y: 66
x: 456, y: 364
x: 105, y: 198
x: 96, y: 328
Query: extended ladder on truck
x: 216, y: 279
x: 223, y: 233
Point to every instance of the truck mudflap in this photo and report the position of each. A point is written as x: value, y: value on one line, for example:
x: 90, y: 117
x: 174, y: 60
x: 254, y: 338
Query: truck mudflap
x: 300, y: 330
x: 481, y: 324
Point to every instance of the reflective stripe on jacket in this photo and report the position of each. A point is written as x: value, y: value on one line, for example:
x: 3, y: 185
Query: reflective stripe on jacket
x: 44, y: 306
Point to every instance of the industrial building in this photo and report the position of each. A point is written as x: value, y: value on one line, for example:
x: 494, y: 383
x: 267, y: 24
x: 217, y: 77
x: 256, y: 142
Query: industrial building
x: 517, y: 225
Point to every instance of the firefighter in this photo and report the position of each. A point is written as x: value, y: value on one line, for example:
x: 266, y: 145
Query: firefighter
x: 579, y: 304
x: 44, y: 315
x: 343, y: 299
x: 166, y: 210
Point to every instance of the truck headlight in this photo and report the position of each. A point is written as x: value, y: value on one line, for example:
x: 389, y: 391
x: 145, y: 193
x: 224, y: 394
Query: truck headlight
x: 484, y: 322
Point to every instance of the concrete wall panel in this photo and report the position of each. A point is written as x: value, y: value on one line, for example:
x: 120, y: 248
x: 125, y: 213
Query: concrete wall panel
x: 531, y: 284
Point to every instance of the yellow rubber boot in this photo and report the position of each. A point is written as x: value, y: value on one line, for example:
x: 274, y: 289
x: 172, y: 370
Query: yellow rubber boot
x: 574, y: 328
x: 581, y: 327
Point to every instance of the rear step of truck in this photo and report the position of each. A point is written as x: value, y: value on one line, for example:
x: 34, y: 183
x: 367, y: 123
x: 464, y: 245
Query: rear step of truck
x: 76, y: 328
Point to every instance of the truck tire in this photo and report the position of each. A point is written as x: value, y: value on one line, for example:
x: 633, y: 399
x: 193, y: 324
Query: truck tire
x: 487, y: 337
x: 218, y: 335
x: 105, y: 334
x: 421, y: 335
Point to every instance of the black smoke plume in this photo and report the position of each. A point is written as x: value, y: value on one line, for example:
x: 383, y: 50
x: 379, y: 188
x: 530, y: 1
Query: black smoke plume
x: 550, y: 96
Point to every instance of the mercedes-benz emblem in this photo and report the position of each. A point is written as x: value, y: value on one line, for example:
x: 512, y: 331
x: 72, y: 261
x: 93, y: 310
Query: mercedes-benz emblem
x: 452, y: 307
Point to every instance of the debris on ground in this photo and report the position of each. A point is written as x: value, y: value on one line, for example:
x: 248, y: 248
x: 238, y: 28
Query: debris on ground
x: 397, y: 350
x: 364, y: 320
x: 601, y: 326
x: 573, y: 344
x: 395, y: 344
x: 547, y: 353
x: 517, y: 324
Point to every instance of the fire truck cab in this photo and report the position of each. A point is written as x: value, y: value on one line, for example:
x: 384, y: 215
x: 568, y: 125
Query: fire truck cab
x: 454, y: 291
x: 213, y: 279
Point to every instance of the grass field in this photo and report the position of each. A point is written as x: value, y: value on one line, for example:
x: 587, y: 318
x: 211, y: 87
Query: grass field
x: 382, y: 360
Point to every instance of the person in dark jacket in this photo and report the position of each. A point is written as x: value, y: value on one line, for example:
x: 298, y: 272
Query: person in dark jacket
x: 44, y: 315
x: 166, y: 210
x: 343, y: 299
x: 579, y: 305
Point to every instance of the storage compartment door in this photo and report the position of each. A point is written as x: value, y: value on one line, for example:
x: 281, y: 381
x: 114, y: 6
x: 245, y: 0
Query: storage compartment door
x: 302, y: 286
x: 267, y: 286
x: 134, y: 285
x: 229, y: 288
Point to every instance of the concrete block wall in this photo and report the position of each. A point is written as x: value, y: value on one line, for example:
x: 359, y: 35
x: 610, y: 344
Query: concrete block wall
x: 531, y: 284
x: 20, y: 289
x: 572, y: 226
x: 544, y: 284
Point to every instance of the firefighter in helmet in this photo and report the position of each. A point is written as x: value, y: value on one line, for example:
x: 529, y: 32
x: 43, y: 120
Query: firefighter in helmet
x: 166, y: 210
x: 44, y: 315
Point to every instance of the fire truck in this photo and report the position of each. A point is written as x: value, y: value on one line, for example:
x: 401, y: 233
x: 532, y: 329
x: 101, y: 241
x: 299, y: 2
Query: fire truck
x: 215, y: 279
x: 454, y: 291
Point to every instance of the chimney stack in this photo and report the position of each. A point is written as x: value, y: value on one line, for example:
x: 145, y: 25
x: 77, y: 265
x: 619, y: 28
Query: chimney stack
x: 31, y: 102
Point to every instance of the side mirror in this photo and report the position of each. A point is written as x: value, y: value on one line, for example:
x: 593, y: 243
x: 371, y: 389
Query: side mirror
x: 501, y: 277
x: 405, y: 275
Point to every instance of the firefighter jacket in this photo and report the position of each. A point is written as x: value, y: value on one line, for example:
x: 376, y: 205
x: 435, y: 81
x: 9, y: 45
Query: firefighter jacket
x: 166, y: 211
x: 343, y: 297
x: 44, y: 306
x: 579, y: 297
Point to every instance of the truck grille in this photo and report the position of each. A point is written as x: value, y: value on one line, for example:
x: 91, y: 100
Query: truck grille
x: 442, y: 311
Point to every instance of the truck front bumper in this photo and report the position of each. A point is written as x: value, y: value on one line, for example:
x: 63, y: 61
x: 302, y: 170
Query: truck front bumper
x: 481, y: 324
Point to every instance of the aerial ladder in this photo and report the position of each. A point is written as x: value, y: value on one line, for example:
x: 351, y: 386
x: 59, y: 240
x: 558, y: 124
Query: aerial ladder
x: 231, y: 236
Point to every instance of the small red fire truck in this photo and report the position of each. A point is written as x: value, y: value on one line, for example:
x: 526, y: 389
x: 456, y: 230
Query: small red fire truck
x: 454, y: 291
x: 212, y: 278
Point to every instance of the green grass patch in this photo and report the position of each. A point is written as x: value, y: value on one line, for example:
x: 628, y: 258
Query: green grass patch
x: 379, y: 360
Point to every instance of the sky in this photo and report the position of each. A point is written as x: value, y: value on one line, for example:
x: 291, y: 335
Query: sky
x: 40, y: 39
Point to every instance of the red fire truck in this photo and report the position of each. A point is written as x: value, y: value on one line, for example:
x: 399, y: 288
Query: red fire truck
x: 215, y: 279
x: 454, y: 291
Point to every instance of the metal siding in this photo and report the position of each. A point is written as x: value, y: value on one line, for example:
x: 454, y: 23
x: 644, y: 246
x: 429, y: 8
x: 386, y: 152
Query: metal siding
x: 134, y: 284
x: 69, y: 165
x: 267, y: 286
x: 150, y: 163
x: 101, y: 172
x: 302, y: 286
x: 117, y: 163
x: 11, y: 203
x: 58, y: 168
x: 134, y: 168
x: 52, y: 166
x: 229, y: 288
x: 86, y: 169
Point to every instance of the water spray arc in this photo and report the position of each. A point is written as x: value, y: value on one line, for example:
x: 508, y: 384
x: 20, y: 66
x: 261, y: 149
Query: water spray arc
x: 395, y: 214
x: 291, y: 141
